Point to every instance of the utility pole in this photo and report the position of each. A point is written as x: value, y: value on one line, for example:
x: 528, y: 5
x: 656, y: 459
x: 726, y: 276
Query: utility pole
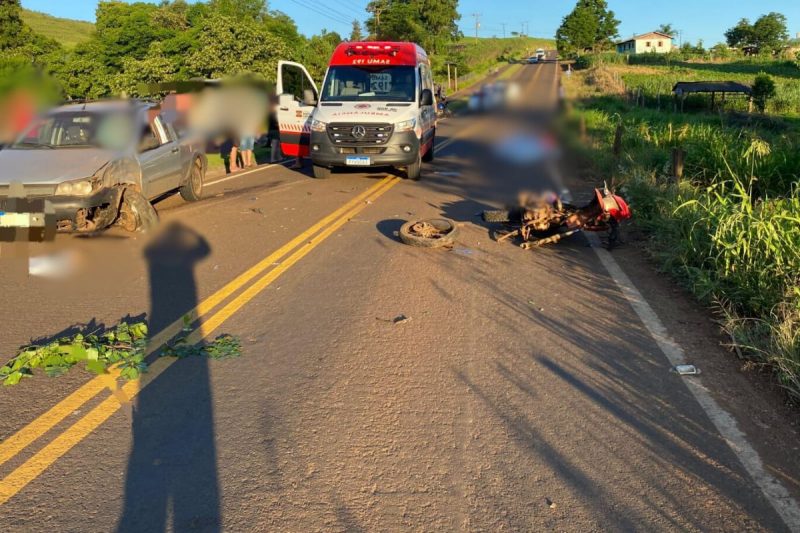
x: 477, y: 24
x: 503, y: 24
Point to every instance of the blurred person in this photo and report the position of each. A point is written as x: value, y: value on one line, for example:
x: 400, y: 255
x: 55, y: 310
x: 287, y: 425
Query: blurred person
x: 246, y: 146
x: 236, y: 156
x: 273, y: 131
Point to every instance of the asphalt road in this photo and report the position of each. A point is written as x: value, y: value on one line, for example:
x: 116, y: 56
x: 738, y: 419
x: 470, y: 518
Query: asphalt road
x: 523, y: 393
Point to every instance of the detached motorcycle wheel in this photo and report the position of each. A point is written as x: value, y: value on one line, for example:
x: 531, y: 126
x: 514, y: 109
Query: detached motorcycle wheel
x: 445, y: 230
x: 136, y: 213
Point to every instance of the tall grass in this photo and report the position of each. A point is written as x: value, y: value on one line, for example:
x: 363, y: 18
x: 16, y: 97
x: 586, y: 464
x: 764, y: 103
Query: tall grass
x: 730, y: 230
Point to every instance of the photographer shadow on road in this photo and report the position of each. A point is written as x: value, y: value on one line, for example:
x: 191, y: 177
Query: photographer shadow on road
x: 171, y: 479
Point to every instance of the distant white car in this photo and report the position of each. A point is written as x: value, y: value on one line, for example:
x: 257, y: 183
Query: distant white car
x: 533, y: 60
x: 541, y: 55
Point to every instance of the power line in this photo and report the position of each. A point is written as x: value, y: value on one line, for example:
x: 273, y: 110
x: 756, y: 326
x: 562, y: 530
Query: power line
x: 477, y: 23
x: 336, y: 11
x: 323, y: 13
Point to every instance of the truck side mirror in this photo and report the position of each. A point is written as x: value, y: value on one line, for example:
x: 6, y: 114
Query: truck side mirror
x: 309, y: 98
x: 426, y: 97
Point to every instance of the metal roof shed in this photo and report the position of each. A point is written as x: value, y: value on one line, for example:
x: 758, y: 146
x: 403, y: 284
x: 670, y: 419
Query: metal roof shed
x: 683, y: 88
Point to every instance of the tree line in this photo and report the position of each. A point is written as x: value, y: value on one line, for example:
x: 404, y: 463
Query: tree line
x: 136, y: 44
x: 592, y: 27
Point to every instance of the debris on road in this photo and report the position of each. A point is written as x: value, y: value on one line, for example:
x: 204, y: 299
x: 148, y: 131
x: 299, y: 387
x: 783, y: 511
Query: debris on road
x: 550, y: 503
x: 686, y: 370
x: 123, y: 346
x: 399, y: 319
x: 429, y: 233
x: 543, y: 218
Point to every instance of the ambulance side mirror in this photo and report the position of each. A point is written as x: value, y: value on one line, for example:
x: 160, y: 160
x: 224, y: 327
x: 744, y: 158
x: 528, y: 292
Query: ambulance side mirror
x: 426, y: 97
x: 309, y: 98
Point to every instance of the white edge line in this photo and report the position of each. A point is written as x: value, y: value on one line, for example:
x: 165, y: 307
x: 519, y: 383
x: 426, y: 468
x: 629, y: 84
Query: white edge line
x: 773, y: 490
x: 776, y: 494
x: 246, y: 172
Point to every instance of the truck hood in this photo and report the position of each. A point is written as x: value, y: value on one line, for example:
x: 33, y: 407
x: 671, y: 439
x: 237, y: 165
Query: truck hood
x: 364, y: 112
x: 51, y: 166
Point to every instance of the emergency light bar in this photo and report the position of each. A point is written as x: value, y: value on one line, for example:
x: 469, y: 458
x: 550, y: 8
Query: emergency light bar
x: 371, y: 50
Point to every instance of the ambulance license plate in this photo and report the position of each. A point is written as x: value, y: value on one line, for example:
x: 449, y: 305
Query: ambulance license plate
x: 357, y: 161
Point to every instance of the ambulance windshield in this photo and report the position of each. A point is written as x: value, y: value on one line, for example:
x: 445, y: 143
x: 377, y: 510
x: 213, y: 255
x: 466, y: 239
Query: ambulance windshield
x: 370, y: 84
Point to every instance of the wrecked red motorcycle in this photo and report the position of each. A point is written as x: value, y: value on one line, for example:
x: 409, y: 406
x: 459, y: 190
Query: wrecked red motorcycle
x: 541, y: 219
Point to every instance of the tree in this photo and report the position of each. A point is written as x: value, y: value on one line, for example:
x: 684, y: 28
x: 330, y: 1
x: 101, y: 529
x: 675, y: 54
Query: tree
x: 229, y: 47
x: 127, y: 30
x: 769, y: 32
x: 318, y: 52
x: 356, y: 34
x: 240, y: 9
x: 667, y: 29
x: 17, y: 39
x: 740, y: 35
x: 763, y: 90
x: 12, y: 29
x: 590, y: 25
x: 431, y: 23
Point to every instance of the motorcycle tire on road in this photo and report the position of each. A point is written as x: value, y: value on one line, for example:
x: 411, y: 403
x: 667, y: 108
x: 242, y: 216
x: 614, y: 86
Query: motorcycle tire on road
x: 444, y: 225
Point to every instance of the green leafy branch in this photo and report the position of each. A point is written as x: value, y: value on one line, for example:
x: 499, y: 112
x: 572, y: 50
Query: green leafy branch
x: 124, y: 345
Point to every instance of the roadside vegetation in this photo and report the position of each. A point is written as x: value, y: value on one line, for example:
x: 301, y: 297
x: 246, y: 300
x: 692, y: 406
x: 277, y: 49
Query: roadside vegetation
x: 730, y: 229
x: 66, y: 32
x: 136, y: 45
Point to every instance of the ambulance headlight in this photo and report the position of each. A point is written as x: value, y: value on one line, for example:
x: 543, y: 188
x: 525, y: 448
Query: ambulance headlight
x: 318, y: 125
x: 406, y: 125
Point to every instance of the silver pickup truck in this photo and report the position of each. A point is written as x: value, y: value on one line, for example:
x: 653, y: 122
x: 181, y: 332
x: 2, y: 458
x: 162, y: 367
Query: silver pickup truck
x: 97, y: 164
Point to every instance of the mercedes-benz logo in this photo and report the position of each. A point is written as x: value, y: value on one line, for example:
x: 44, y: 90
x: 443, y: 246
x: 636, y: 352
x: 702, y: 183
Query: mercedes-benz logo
x: 358, y: 132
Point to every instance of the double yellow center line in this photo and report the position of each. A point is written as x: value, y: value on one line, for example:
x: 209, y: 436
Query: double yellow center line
x: 284, y: 257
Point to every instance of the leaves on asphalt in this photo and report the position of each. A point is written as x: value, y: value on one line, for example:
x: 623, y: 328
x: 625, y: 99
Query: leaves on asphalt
x: 123, y: 346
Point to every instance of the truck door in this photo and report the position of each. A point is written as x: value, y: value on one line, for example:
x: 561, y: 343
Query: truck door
x: 297, y: 99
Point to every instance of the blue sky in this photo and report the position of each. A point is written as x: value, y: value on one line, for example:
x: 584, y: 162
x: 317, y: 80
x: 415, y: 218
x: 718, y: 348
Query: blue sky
x: 698, y: 19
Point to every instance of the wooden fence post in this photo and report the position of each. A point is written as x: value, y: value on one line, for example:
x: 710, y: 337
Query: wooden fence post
x: 678, y: 155
x: 617, y: 149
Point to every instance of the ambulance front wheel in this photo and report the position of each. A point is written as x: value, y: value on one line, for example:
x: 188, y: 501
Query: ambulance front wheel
x: 414, y: 170
x: 428, y: 157
x: 321, y: 173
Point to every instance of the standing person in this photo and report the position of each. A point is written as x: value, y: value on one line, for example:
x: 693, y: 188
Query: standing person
x: 235, y: 155
x: 246, y: 146
x: 273, y: 130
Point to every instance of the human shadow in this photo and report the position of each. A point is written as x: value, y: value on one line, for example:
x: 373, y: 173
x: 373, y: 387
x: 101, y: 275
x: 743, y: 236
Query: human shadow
x: 171, y: 479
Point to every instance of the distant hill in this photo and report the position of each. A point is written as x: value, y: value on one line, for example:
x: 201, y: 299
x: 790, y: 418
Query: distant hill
x: 68, y: 32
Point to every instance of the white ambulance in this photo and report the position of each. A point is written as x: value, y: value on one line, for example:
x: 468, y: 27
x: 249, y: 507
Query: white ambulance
x: 376, y: 109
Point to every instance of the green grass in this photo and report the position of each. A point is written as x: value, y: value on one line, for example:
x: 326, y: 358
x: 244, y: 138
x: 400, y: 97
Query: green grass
x: 68, y: 32
x: 216, y: 163
x: 481, y: 56
x: 656, y: 75
x: 730, y: 231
